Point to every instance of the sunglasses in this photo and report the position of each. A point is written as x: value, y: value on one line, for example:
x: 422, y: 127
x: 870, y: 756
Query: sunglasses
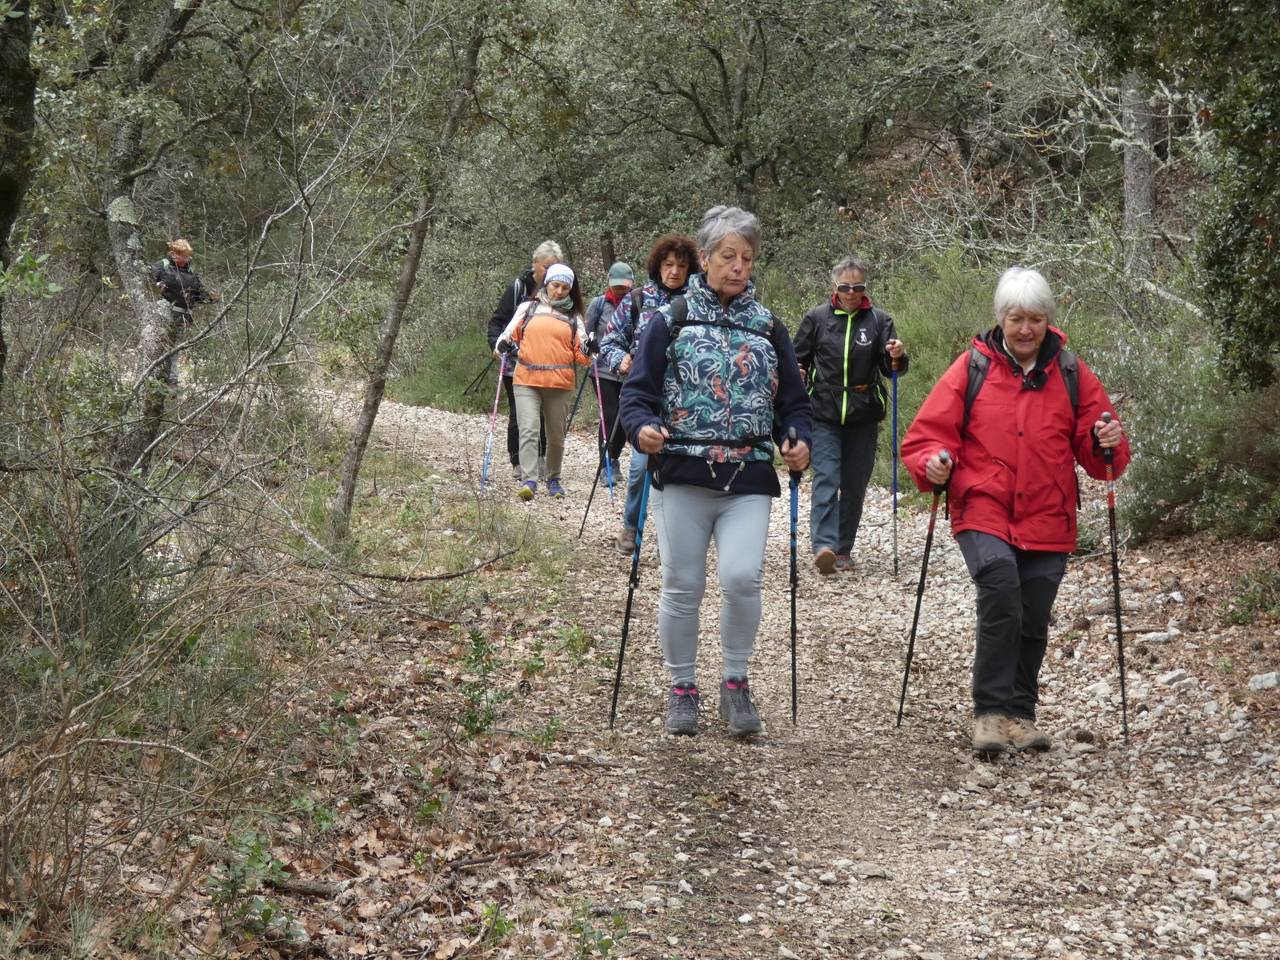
x: 851, y: 288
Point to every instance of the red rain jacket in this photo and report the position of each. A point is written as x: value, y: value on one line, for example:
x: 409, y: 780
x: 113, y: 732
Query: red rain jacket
x: 1014, y: 475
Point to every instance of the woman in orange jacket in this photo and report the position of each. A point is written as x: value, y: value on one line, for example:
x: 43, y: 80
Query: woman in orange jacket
x: 545, y: 337
x: 1011, y: 483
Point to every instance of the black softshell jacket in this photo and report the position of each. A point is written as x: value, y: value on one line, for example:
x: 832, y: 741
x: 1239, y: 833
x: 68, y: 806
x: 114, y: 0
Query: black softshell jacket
x: 845, y: 357
x: 518, y: 291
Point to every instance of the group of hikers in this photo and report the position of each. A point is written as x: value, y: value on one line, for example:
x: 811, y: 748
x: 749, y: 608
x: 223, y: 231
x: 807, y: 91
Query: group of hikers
x: 707, y: 387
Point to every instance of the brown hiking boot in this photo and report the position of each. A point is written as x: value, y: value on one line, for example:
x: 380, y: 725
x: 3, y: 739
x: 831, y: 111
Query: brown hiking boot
x: 990, y: 734
x: 825, y: 561
x: 626, y: 542
x: 1023, y: 735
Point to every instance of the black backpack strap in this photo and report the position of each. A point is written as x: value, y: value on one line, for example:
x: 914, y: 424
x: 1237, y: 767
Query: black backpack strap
x: 637, y: 305
x: 1069, y: 364
x: 978, y: 363
x: 679, y: 312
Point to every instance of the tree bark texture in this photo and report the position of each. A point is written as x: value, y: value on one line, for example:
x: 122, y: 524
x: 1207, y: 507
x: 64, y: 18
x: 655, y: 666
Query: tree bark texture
x: 1139, y: 183
x: 155, y: 328
x: 376, y: 382
x: 17, y: 121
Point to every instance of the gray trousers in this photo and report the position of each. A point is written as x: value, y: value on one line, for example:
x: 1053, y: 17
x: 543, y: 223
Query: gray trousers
x: 537, y: 407
x: 686, y: 519
x: 842, y: 460
x: 1016, y: 590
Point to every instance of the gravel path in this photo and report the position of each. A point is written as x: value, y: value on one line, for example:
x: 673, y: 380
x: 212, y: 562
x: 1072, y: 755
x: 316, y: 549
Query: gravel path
x: 845, y: 837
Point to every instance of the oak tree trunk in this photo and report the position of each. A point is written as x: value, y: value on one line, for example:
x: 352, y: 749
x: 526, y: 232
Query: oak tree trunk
x: 376, y: 382
x: 17, y: 121
x: 1139, y: 183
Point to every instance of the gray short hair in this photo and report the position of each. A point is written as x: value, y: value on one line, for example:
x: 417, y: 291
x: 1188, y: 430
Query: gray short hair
x: 547, y: 250
x: 847, y: 264
x: 1021, y: 287
x: 720, y: 222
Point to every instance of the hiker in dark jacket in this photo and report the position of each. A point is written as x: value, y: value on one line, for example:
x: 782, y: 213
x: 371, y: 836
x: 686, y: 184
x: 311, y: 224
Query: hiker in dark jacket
x: 713, y: 390
x: 522, y: 288
x: 672, y: 259
x: 177, y: 282
x: 1011, y: 487
x: 599, y: 312
x: 180, y: 286
x: 845, y: 346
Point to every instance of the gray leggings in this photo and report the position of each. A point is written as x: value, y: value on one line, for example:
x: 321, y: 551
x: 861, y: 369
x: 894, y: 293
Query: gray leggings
x: 686, y: 518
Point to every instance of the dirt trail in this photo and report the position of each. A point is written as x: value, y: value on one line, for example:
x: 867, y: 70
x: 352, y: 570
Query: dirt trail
x: 845, y: 837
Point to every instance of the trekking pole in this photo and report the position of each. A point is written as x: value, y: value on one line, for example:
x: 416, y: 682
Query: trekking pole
x: 894, y: 450
x: 1108, y: 455
x: 479, y: 376
x: 599, y: 470
x: 573, y: 411
x: 604, y: 437
x: 631, y: 591
x: 795, y: 576
x: 487, y: 461
x: 924, y: 568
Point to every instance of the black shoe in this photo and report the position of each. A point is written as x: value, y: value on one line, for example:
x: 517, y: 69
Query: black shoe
x: 682, y: 710
x: 737, y: 709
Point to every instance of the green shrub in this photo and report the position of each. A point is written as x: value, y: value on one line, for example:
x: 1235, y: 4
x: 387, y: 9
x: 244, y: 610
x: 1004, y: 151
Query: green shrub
x: 1204, y: 457
x: 1257, y: 594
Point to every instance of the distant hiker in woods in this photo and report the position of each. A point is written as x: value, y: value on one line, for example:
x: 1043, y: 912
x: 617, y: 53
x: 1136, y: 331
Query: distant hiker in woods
x: 1016, y: 412
x: 599, y: 312
x: 672, y: 259
x: 713, y: 389
x: 546, y: 336
x: 180, y: 286
x: 845, y: 347
x: 522, y: 288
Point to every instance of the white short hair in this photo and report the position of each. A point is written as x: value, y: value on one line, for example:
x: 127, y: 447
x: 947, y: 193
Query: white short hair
x: 1021, y: 287
x: 720, y: 222
x: 547, y: 250
x: 847, y: 264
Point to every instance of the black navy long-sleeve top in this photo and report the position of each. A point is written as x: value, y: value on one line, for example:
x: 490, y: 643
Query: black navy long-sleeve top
x: 642, y: 406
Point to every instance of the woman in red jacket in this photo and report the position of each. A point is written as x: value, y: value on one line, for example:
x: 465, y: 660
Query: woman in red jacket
x: 1011, y: 486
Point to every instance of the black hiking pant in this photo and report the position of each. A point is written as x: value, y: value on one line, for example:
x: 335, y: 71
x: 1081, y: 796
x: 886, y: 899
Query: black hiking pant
x: 1016, y: 590
x: 610, y: 392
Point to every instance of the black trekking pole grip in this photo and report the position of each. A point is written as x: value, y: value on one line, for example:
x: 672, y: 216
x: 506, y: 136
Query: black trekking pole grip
x: 794, y: 438
x: 1108, y: 455
x: 945, y: 457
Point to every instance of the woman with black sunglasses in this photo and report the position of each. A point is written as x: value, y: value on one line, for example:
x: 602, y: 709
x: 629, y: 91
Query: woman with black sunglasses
x: 845, y: 347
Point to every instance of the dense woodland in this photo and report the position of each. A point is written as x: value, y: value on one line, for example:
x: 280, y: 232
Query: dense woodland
x: 359, y: 181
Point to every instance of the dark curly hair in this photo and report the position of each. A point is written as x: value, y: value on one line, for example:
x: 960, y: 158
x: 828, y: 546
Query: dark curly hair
x: 679, y: 244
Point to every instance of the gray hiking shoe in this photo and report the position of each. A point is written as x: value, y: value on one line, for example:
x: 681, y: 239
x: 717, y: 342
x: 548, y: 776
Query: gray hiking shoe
x: 682, y: 710
x: 1024, y: 735
x: 990, y: 734
x: 626, y: 542
x: 737, y: 709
